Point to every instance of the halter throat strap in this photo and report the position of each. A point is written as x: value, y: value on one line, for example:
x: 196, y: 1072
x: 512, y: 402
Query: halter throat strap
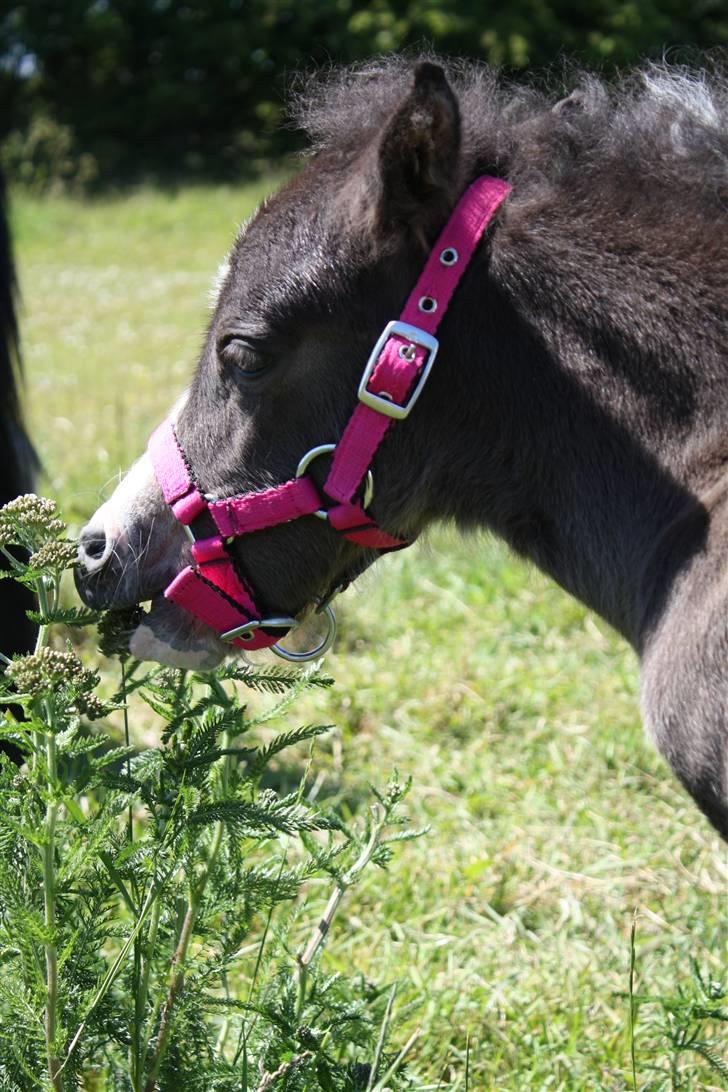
x: 211, y: 587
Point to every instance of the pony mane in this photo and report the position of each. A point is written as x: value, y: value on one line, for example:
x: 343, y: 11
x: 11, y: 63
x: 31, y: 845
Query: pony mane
x: 660, y: 122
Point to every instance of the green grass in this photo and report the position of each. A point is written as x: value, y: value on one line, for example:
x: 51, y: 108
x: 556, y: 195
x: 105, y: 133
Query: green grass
x: 514, y: 710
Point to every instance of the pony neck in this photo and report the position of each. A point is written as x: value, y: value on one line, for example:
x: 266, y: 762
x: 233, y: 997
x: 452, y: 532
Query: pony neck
x: 582, y: 462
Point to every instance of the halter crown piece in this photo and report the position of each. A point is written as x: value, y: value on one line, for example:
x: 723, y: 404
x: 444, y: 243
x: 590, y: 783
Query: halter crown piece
x: 211, y: 588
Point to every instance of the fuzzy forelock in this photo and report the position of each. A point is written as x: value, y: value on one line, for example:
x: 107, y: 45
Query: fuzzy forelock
x: 661, y: 121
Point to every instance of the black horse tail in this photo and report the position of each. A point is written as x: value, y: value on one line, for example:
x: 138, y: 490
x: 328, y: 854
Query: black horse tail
x: 17, y: 459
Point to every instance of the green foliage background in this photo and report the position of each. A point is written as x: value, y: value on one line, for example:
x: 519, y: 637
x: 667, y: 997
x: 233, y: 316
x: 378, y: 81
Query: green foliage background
x: 112, y: 90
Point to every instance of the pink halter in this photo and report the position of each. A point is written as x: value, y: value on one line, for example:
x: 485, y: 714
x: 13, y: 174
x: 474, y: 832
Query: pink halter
x: 211, y: 588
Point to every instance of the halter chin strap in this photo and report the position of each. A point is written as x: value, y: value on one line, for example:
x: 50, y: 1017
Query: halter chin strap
x: 211, y: 588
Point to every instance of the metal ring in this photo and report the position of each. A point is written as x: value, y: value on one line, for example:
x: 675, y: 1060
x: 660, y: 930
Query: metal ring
x: 427, y: 304
x: 314, y: 653
x: 449, y: 255
x: 306, y: 460
x: 304, y: 463
x: 326, y: 449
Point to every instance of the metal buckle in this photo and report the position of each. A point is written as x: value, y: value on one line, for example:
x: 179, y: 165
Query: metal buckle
x: 378, y: 402
x: 313, y: 653
x: 326, y: 449
x: 247, y: 630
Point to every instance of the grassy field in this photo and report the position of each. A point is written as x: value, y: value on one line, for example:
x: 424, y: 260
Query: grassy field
x: 514, y: 711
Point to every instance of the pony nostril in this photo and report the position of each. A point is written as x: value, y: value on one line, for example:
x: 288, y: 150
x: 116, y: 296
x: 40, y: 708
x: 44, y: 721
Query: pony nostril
x: 93, y: 544
x: 94, y: 548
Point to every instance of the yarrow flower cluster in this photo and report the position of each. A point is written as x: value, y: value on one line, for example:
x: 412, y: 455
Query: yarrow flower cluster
x: 92, y: 706
x: 33, y: 523
x: 55, y: 555
x: 29, y: 521
x: 50, y: 668
x: 169, y: 677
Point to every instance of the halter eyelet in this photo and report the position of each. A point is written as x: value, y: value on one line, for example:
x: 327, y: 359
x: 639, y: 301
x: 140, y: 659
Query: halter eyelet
x: 427, y: 304
x: 449, y: 256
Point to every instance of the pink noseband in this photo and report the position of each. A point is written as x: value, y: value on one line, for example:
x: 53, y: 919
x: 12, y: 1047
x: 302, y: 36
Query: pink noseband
x: 211, y: 588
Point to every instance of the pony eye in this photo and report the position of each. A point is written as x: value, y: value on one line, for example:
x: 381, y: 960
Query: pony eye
x: 246, y: 356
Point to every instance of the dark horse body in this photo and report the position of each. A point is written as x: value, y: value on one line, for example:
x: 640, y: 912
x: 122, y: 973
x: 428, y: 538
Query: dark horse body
x: 579, y: 404
x: 16, y: 458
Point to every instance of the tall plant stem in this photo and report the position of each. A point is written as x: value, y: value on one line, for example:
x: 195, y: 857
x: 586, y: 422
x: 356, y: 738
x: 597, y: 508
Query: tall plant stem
x: 632, y: 1003
x: 130, y: 824
x: 179, y: 959
x: 46, y: 596
x: 49, y: 900
x: 197, y: 892
x: 343, y: 883
x: 45, y: 601
x: 114, y: 971
x: 138, y: 973
x: 144, y: 954
x: 222, y: 1037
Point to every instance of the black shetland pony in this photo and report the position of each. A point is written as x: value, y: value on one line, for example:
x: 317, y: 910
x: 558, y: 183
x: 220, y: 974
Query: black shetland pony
x: 16, y: 458
x: 579, y: 403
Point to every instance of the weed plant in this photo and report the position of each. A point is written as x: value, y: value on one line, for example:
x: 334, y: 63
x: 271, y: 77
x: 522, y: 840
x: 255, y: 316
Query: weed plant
x: 149, y: 899
x: 691, y: 1023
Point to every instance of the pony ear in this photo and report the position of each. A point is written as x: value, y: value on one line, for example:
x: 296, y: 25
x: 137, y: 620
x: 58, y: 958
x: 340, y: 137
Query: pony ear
x: 418, y: 155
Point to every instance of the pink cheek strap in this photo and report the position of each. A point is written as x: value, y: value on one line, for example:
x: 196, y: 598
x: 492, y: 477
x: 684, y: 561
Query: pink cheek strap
x: 209, y: 589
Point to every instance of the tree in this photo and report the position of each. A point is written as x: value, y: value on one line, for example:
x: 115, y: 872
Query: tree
x: 170, y: 87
